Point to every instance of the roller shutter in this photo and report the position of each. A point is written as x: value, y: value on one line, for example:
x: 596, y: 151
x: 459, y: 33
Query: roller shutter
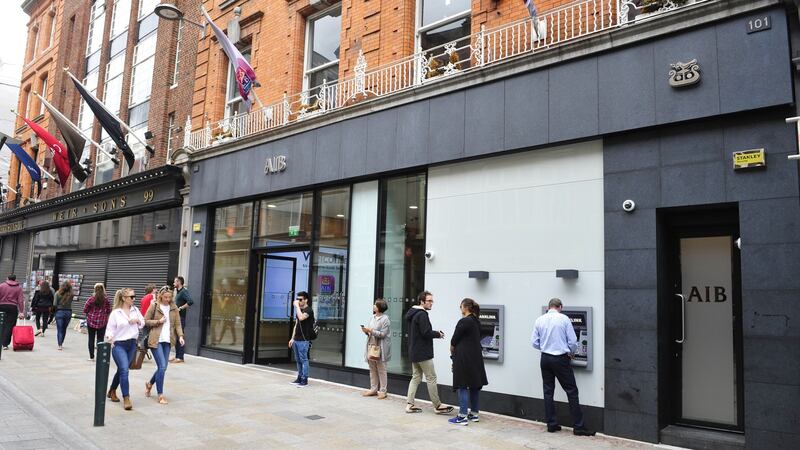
x: 22, y: 256
x: 90, y: 264
x: 6, y: 257
x: 137, y: 267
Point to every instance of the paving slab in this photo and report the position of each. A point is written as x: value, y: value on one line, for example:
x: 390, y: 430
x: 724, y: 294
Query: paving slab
x: 46, y: 399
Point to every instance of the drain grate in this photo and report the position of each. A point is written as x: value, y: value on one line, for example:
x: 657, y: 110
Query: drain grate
x: 314, y: 417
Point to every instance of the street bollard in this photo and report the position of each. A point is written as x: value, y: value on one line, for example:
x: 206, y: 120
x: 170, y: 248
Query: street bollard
x: 101, y: 382
x: 2, y: 330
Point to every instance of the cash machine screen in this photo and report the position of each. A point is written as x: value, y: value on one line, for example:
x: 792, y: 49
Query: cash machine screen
x: 491, y: 319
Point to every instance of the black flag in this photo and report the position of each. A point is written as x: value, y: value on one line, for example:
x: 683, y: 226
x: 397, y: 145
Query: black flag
x: 108, y: 122
x: 75, y: 142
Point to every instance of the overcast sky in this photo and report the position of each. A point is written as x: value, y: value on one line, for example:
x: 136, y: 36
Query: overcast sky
x: 13, y: 35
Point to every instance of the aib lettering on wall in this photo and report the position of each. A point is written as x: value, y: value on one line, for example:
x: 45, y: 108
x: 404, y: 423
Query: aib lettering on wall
x: 714, y: 294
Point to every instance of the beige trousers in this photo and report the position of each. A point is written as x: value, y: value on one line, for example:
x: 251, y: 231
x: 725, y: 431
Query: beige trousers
x: 423, y: 368
x: 377, y: 376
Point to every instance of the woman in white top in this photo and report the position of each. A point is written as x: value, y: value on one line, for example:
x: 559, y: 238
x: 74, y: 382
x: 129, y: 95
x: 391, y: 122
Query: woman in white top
x: 122, y: 330
x: 165, y: 329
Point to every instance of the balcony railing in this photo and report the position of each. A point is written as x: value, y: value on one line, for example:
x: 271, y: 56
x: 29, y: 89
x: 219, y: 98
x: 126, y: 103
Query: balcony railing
x: 485, y: 48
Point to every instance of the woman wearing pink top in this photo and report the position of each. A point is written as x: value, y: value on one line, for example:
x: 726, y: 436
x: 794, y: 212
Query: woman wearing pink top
x: 122, y: 330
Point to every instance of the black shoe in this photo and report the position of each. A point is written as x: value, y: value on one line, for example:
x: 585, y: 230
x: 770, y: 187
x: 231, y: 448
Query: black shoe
x: 582, y: 432
x: 554, y: 429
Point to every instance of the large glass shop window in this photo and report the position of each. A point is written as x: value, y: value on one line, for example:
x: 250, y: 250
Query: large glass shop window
x: 230, y: 252
x: 329, y: 276
x: 401, y: 256
x: 285, y: 220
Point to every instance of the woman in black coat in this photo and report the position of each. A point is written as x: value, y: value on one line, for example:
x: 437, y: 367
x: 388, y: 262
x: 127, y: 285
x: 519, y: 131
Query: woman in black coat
x: 469, y: 374
x: 41, y: 304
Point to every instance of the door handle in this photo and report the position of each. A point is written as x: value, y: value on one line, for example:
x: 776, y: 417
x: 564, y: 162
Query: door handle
x: 683, y: 320
x: 289, y: 296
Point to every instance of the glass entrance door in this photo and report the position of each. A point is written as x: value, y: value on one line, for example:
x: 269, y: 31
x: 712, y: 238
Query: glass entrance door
x: 283, y: 274
x: 706, y: 333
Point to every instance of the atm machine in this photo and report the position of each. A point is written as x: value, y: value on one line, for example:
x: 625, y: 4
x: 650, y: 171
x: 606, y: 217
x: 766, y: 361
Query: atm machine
x: 492, y: 338
x: 581, y: 318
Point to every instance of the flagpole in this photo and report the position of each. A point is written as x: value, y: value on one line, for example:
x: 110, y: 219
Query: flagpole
x: 99, y: 147
x: 258, y: 100
x: 121, y: 122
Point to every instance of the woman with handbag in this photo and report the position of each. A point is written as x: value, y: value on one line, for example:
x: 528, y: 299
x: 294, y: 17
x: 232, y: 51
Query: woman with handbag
x: 469, y: 373
x: 97, y: 310
x: 165, y: 329
x: 122, y: 330
x: 63, y: 306
x: 379, y: 348
x: 41, y: 304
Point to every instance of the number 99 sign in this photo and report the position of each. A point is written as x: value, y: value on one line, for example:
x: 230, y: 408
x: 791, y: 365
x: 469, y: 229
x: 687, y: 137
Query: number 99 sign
x: 149, y: 195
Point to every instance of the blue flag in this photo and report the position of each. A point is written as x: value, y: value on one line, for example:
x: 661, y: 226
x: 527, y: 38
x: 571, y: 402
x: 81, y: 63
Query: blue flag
x: 28, y: 162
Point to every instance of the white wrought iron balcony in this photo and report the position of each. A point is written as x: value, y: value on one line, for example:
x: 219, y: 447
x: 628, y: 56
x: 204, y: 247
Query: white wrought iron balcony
x: 487, y: 47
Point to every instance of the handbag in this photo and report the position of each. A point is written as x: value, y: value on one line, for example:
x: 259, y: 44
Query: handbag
x: 136, y: 362
x: 373, y: 349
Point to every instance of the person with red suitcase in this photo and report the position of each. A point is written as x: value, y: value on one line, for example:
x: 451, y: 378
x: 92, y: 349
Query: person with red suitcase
x: 13, y: 304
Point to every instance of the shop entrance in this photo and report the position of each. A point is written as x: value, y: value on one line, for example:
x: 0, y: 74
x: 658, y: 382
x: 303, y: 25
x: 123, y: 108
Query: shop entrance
x: 282, y: 275
x: 702, y: 295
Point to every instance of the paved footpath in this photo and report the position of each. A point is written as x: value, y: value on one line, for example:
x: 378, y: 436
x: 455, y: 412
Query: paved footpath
x: 46, y: 401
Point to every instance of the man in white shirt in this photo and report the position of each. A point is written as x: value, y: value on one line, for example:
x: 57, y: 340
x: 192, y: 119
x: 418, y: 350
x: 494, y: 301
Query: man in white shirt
x: 554, y: 336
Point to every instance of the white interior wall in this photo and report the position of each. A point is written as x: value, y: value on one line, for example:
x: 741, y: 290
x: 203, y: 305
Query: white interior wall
x: 520, y: 217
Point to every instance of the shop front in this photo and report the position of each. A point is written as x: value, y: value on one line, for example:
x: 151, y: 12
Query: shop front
x: 591, y: 179
x: 123, y: 234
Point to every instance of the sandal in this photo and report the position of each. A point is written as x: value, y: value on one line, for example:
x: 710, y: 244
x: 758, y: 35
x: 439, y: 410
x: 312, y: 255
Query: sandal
x: 410, y: 409
x: 147, y: 388
x: 442, y: 409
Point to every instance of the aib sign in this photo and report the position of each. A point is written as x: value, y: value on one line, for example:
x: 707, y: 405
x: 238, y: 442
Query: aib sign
x: 684, y: 74
x: 716, y: 294
x: 275, y: 164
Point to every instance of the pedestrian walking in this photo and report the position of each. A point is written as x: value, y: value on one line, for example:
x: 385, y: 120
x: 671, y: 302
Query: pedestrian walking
x: 469, y: 373
x: 97, y: 310
x: 302, y: 336
x: 379, y: 348
x: 183, y: 300
x: 165, y: 330
x: 123, y: 328
x: 420, y: 350
x: 554, y: 336
x: 13, y: 304
x: 41, y: 305
x: 149, y: 294
x: 63, y: 302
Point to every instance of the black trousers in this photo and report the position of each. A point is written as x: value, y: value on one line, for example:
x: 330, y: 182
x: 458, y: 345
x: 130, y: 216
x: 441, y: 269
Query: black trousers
x: 42, y: 320
x: 96, y: 336
x: 9, y: 322
x: 558, y: 367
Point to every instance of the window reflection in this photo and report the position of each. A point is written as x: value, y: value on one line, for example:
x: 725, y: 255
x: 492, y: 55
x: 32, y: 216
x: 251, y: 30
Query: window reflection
x: 285, y: 220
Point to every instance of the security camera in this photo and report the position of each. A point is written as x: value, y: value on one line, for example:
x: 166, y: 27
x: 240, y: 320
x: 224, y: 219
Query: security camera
x: 196, y: 243
x: 628, y: 205
x: 429, y: 255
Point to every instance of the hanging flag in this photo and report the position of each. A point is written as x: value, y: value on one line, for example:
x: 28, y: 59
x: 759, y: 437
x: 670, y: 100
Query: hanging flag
x: 27, y: 161
x: 531, y: 8
x: 60, y: 157
x: 109, y: 123
x: 245, y: 75
x: 75, y: 142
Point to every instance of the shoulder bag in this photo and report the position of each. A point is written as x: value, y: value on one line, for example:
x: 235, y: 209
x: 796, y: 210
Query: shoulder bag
x: 373, y: 349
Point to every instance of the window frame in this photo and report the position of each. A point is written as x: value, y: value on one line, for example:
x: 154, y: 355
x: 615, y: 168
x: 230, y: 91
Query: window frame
x: 419, y: 28
x: 175, y: 72
x: 137, y: 64
x: 307, y: 69
x: 42, y: 92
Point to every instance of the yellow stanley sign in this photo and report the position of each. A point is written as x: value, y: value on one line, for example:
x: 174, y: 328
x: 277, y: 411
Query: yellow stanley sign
x: 749, y: 159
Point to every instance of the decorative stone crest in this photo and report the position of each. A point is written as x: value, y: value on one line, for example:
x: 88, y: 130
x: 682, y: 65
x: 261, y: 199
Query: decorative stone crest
x: 684, y: 74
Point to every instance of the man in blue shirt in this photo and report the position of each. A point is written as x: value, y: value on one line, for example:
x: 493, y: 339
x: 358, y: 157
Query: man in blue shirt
x: 554, y: 336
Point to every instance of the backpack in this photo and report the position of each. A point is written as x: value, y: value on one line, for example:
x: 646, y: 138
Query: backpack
x: 314, y: 330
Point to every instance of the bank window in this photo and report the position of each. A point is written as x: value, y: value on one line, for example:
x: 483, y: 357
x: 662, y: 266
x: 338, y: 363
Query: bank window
x: 233, y: 99
x: 443, y: 22
x: 230, y: 254
x: 329, y: 274
x: 323, y: 37
x: 285, y: 220
x: 401, y: 254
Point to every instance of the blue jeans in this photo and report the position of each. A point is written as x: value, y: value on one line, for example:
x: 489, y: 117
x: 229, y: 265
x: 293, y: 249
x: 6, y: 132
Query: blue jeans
x: 301, y: 358
x: 468, y: 401
x: 123, y: 353
x: 161, y: 355
x: 63, y: 317
x: 178, y: 346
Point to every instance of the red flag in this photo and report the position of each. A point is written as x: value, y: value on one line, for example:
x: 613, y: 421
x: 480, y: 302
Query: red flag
x: 60, y: 157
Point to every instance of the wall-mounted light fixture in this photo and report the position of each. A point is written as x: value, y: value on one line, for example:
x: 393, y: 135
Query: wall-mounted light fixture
x: 568, y: 274
x: 479, y: 274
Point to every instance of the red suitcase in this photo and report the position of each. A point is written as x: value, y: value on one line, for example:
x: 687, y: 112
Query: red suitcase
x: 22, y: 336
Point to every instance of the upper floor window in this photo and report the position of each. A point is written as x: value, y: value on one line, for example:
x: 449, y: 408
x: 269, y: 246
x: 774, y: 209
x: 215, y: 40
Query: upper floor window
x: 142, y: 73
x: 52, y: 15
x: 33, y: 43
x: 112, y: 90
x: 233, y: 99
x: 170, y: 133
x: 177, y: 53
x: 43, y: 93
x: 85, y: 116
x: 26, y: 106
x: 146, y: 7
x: 441, y: 22
x: 323, y: 36
x: 97, y: 23
x: 120, y: 17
